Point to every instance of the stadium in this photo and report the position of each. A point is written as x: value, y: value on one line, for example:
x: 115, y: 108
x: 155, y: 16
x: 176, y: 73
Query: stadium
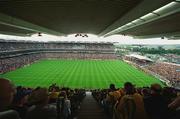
x: 89, y: 59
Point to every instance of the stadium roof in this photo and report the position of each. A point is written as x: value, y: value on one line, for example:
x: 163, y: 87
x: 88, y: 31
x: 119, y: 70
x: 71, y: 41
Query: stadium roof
x: 138, y: 18
x: 140, y: 57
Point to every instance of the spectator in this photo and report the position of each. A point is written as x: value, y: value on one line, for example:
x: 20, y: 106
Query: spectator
x: 63, y: 105
x: 175, y: 107
x: 20, y: 101
x: 175, y: 104
x: 41, y: 109
x: 53, y: 96
x: 6, y: 96
x: 145, y: 92
x: 156, y: 105
x: 112, y: 96
x: 131, y: 105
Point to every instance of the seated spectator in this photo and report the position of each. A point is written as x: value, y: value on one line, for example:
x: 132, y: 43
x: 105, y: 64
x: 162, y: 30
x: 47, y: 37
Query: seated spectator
x: 169, y: 94
x: 145, y: 92
x: 20, y: 101
x: 112, y: 96
x: 40, y: 109
x: 53, y: 96
x: 6, y: 96
x: 131, y: 105
x: 63, y: 105
x: 156, y: 105
x: 175, y: 104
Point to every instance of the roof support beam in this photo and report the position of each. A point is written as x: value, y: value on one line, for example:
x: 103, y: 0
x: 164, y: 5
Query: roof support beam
x: 145, y: 7
x: 14, y: 33
x: 173, y: 34
x: 21, y: 24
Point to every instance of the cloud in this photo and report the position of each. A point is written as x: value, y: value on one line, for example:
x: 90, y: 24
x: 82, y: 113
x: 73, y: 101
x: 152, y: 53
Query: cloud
x: 93, y: 38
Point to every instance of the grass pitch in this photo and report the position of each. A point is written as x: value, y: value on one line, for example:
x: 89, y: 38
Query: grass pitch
x: 89, y: 74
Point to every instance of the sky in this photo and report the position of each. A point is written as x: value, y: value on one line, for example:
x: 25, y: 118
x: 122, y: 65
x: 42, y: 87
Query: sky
x: 93, y: 38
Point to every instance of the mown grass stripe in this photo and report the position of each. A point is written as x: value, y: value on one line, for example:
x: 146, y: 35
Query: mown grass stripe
x: 88, y: 74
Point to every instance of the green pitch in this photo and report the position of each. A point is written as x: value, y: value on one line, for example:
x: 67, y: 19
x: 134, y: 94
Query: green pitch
x: 89, y: 74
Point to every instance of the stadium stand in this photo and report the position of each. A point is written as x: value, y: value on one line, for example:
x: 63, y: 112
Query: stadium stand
x: 16, y: 54
x: 28, y: 103
x: 167, y: 72
x: 132, y: 102
x: 138, y: 59
x: 139, y: 103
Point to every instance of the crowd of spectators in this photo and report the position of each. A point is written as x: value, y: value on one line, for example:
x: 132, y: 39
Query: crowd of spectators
x: 169, y: 71
x: 166, y: 71
x: 38, y: 103
x: 82, y: 55
x: 130, y: 102
x: 12, y: 63
x: 22, y: 45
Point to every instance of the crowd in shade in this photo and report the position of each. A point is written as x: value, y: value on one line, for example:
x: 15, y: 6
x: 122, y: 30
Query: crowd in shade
x: 38, y: 103
x: 152, y: 102
x: 129, y: 102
